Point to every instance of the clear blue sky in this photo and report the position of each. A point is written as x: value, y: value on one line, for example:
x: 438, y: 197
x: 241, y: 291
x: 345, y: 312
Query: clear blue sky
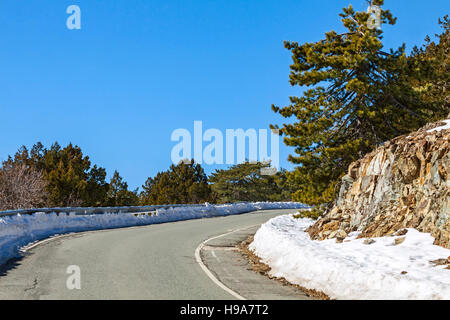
x: 139, y: 69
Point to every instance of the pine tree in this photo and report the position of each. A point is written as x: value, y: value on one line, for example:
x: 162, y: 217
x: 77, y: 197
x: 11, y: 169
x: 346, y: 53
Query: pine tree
x: 118, y: 194
x: 356, y: 96
x: 432, y: 62
x: 185, y: 183
x: 70, y: 179
x: 245, y: 182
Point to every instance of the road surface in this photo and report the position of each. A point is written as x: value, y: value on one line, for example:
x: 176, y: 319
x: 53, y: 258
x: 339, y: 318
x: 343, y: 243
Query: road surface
x: 151, y: 262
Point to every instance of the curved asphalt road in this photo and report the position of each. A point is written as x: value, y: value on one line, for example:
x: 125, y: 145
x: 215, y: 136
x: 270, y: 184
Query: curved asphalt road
x: 151, y: 262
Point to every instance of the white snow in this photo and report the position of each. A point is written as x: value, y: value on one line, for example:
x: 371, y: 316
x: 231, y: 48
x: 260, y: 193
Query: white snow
x: 20, y: 230
x: 352, y: 269
x: 446, y: 126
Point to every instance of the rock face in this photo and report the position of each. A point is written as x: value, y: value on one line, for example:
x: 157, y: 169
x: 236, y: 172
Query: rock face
x: 405, y: 183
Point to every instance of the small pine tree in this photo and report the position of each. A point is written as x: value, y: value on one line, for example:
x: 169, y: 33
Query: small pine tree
x: 118, y: 194
x: 185, y: 183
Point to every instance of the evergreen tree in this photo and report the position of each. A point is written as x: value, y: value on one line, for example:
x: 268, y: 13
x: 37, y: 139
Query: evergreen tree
x: 356, y: 96
x: 70, y: 180
x: 118, y: 194
x: 432, y: 61
x: 185, y: 183
x: 245, y: 182
x: 96, y: 188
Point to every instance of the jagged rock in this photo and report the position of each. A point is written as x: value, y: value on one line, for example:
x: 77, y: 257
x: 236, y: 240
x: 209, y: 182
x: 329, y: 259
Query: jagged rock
x: 401, y: 232
x: 405, y: 183
x: 441, y: 262
x: 369, y: 241
x: 341, y: 235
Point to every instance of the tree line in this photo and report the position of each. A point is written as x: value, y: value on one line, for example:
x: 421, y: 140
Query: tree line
x: 65, y: 177
x: 355, y: 95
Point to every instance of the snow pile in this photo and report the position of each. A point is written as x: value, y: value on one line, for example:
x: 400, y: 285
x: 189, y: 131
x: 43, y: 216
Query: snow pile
x: 19, y: 230
x: 446, y: 126
x: 352, y: 269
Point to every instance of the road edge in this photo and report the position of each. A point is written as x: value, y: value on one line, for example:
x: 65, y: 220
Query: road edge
x: 205, y: 269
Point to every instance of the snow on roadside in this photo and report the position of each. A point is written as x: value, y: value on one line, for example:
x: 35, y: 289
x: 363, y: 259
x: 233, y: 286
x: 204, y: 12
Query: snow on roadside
x: 20, y: 230
x: 352, y: 269
x: 446, y: 126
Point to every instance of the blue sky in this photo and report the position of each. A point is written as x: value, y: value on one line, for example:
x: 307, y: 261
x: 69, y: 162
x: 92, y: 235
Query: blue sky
x: 139, y: 69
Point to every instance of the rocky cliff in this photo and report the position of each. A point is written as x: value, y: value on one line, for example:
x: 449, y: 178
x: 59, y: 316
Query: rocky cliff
x: 405, y: 183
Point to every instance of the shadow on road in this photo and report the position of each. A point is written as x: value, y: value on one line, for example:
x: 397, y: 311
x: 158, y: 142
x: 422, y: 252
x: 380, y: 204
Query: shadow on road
x: 11, y: 264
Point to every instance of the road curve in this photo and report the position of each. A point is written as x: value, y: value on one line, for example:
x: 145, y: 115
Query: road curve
x: 151, y: 262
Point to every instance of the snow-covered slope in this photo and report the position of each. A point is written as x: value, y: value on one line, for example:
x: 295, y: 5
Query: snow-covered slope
x: 446, y: 126
x: 353, y: 269
x: 20, y: 230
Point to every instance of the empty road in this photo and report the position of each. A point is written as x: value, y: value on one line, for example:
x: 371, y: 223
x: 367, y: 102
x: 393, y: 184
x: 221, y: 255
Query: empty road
x: 151, y: 262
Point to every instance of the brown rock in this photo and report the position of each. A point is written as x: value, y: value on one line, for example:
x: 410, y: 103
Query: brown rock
x: 402, y: 184
x: 440, y: 262
x: 353, y: 170
x: 341, y: 234
x: 401, y: 232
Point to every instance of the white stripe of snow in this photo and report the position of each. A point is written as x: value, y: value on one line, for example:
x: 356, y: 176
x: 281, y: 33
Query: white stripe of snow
x: 444, y: 127
x: 353, y: 270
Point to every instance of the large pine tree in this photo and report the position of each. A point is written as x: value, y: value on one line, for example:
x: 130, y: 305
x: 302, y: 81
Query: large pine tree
x: 357, y: 95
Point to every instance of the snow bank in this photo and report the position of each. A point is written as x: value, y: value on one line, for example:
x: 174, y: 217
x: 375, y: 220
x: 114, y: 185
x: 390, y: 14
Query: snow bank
x: 446, y: 126
x: 352, y: 269
x: 20, y: 230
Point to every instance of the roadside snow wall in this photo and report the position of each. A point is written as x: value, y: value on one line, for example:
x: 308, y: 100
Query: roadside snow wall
x: 19, y: 230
